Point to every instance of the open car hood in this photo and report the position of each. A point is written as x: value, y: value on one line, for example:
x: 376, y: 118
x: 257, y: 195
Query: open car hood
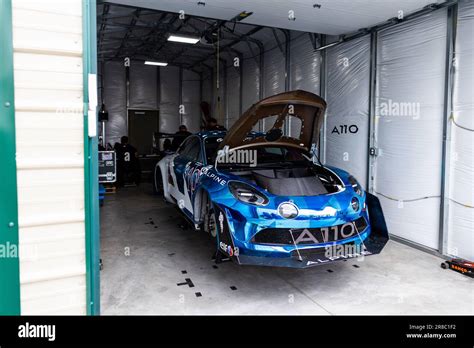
x: 291, y: 118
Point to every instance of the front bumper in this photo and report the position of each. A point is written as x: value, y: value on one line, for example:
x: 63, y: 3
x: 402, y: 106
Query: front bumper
x: 368, y: 242
x: 308, y: 257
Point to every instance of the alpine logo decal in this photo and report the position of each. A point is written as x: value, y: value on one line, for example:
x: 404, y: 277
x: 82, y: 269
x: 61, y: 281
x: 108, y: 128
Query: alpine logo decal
x: 194, y: 172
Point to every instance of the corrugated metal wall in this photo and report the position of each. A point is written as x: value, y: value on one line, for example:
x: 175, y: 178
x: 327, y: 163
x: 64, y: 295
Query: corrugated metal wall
x: 305, y: 64
x: 169, y: 103
x: 347, y: 96
x: 150, y: 88
x: 219, y: 102
x: 461, y: 175
x: 410, y: 108
x: 144, y: 83
x: 273, y: 72
x: 47, y: 40
x: 208, y: 90
x: 191, y: 101
x: 250, y: 82
x: 233, y: 95
x: 115, y: 99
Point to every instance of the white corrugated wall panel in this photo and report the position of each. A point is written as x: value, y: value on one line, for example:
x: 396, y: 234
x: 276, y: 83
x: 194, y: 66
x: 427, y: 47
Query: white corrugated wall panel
x: 219, y: 102
x: 207, y: 88
x: 115, y: 99
x: 143, y: 86
x: 47, y: 41
x: 273, y: 78
x: 191, y: 101
x: 461, y: 175
x: 169, y: 103
x: 305, y: 64
x: 250, y: 82
x: 347, y: 95
x: 233, y: 95
x: 274, y: 72
x: 409, y: 124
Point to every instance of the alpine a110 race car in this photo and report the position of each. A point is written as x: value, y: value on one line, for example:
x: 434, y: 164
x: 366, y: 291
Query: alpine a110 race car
x: 262, y: 194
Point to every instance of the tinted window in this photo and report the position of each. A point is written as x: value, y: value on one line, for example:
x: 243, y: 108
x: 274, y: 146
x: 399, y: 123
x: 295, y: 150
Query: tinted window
x: 211, y: 144
x: 276, y: 154
x: 191, y: 149
x: 184, y: 147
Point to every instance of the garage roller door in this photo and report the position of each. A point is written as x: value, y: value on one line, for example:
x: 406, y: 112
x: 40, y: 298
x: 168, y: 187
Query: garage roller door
x: 409, y: 123
x: 461, y: 186
x: 250, y: 83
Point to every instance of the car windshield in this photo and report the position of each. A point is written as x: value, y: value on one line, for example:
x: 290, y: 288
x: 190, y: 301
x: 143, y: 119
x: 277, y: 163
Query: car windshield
x: 276, y: 156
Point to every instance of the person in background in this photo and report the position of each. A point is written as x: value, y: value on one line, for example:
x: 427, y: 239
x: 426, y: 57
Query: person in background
x: 213, y: 126
x: 128, y: 165
x: 179, y: 137
x: 167, y: 146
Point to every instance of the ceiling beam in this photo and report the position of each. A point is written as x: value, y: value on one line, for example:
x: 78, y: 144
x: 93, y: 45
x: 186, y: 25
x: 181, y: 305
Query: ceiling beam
x: 277, y: 39
x: 103, y: 23
x: 169, y: 28
x: 136, y: 14
x: 251, y: 32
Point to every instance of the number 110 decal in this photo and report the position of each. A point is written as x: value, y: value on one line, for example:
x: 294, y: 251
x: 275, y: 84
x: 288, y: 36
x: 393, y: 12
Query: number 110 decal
x: 345, y: 129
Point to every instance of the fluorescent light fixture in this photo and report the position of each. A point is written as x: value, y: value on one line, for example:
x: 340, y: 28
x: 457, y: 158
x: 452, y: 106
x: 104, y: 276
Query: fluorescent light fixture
x: 329, y: 45
x: 156, y: 63
x: 183, y: 39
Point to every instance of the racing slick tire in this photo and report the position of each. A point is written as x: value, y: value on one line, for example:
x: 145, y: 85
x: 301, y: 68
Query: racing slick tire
x: 210, y: 227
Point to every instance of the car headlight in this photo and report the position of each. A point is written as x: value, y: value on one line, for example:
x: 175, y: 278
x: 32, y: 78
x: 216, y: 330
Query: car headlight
x: 355, y: 185
x: 355, y: 204
x: 288, y: 210
x: 247, y: 194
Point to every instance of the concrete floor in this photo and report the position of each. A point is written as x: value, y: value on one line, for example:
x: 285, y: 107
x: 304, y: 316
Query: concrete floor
x: 146, y: 254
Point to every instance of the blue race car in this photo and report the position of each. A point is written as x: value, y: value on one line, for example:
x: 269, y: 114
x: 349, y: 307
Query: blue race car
x: 261, y: 193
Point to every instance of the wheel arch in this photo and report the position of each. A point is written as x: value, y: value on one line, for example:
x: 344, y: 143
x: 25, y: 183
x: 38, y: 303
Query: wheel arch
x: 198, y: 204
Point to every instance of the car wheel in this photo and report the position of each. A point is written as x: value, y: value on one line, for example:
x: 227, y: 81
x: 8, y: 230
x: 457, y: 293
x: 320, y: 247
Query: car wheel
x: 444, y: 266
x: 157, y: 182
x: 210, y: 226
x: 210, y: 220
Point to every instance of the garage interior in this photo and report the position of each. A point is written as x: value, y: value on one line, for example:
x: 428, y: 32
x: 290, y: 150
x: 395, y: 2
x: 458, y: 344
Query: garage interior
x: 397, y: 77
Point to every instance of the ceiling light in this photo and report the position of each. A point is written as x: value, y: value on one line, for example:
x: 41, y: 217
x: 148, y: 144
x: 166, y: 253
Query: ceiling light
x: 183, y: 39
x: 327, y: 46
x: 156, y: 63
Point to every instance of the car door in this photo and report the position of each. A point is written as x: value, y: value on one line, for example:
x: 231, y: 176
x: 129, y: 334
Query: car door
x: 185, y: 155
x: 189, y: 154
